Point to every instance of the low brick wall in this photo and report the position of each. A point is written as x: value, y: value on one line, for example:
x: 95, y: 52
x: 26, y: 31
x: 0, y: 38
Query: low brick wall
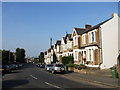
x: 104, y: 73
x: 70, y: 68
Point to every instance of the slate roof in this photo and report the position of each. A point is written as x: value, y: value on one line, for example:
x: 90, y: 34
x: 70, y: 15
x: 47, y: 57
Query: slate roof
x: 49, y: 50
x: 52, y: 47
x: 69, y: 36
x: 58, y: 42
x: 98, y: 25
x: 80, y: 31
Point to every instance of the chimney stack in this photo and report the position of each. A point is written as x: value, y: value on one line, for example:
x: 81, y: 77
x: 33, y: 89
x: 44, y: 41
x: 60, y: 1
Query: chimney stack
x: 88, y: 26
x: 114, y: 14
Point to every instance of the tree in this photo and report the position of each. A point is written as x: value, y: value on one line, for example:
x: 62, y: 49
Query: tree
x: 20, y: 55
x: 12, y: 57
x: 41, y: 57
x: 36, y: 60
x: 54, y: 58
x: 5, y: 57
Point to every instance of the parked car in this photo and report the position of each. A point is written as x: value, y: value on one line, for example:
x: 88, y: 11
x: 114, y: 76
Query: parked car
x: 42, y: 65
x: 57, y: 68
x: 48, y: 66
x: 13, y: 66
x: 19, y: 65
x: 6, y: 69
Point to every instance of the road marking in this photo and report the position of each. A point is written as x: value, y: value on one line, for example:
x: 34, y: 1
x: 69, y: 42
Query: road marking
x: 54, y: 86
x: 33, y: 77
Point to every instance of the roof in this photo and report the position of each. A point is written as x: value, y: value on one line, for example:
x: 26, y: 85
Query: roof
x: 98, y: 25
x: 80, y: 31
x: 49, y: 50
x: 58, y: 42
x: 69, y: 36
x: 45, y: 52
x: 52, y: 47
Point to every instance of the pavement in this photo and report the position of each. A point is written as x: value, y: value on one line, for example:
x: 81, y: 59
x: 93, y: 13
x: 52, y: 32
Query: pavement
x: 95, y: 79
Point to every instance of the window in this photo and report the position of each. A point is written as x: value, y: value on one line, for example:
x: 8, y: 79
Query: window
x: 75, y: 54
x: 89, y: 37
x: 90, y: 54
x: 84, y: 39
x: 75, y: 41
x: 92, y: 37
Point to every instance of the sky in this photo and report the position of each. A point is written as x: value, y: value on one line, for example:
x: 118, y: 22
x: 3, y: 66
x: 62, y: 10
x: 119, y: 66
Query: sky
x: 30, y: 25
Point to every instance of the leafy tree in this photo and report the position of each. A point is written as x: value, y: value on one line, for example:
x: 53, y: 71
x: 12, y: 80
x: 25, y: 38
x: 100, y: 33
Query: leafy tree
x: 5, y: 57
x: 20, y: 55
x: 41, y: 57
x: 12, y: 57
x: 0, y: 57
x: 67, y: 60
x: 36, y: 60
x: 54, y: 58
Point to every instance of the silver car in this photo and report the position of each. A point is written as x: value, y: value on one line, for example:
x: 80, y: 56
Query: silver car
x: 57, y: 68
x: 48, y: 66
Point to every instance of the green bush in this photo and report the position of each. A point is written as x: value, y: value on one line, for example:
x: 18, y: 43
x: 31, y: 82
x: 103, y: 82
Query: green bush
x: 67, y: 60
x: 76, y: 66
x: 70, y: 65
x: 81, y: 66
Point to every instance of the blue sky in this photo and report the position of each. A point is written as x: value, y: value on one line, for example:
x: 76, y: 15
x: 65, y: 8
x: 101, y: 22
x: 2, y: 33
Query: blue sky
x: 30, y: 25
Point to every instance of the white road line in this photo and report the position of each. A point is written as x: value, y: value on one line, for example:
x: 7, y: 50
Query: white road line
x: 54, y: 86
x: 33, y: 77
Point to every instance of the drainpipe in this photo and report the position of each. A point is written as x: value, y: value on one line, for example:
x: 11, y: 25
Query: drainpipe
x: 101, y: 52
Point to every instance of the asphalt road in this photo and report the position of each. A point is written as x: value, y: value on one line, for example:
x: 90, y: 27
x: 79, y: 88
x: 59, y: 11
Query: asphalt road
x: 30, y: 76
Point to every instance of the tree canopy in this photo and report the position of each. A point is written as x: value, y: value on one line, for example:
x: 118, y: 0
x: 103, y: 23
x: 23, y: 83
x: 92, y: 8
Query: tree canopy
x: 41, y: 57
x: 20, y: 55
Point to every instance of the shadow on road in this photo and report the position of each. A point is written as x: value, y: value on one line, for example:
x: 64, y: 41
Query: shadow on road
x: 13, y: 83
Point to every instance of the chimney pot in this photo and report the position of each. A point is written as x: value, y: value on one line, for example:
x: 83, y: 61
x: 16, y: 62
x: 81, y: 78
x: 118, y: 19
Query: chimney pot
x: 88, y: 26
x: 114, y: 14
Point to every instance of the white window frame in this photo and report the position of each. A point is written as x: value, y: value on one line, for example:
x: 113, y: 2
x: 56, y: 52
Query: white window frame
x: 91, y: 38
x: 75, y: 40
x: 84, y: 39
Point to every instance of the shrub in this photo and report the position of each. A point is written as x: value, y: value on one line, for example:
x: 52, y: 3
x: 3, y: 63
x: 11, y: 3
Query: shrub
x: 76, y: 66
x: 81, y: 66
x: 70, y: 65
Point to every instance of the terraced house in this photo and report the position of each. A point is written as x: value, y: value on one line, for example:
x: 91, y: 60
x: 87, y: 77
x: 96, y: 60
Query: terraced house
x: 94, y: 46
x: 97, y: 46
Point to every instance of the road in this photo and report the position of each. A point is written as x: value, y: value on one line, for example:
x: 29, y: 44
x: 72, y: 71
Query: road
x: 31, y: 76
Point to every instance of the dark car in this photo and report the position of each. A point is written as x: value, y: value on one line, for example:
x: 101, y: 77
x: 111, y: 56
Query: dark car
x: 6, y: 69
x: 13, y: 66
